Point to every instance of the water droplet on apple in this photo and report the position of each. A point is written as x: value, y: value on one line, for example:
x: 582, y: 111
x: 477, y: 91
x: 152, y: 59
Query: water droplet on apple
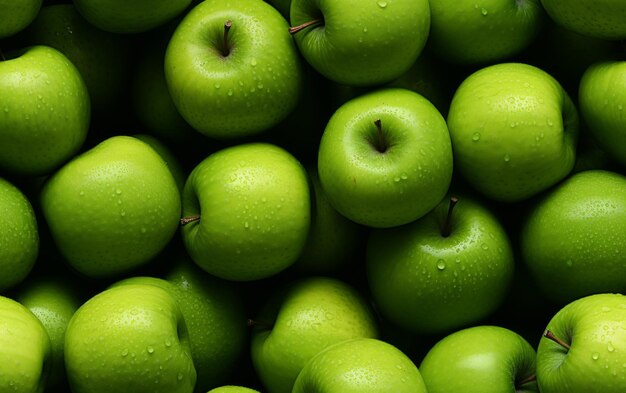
x: 610, y: 347
x: 620, y: 107
x: 507, y: 158
x: 382, y: 4
x: 230, y: 92
x: 569, y: 263
x: 396, y: 179
x: 253, y: 62
x: 365, y: 30
x: 150, y: 350
x: 476, y: 137
x: 82, y: 193
x: 484, y: 11
x: 246, y: 225
x: 125, y: 353
x: 6, y: 109
x: 484, y: 246
x: 217, y: 85
x: 441, y: 264
x: 180, y: 376
x: 595, y: 356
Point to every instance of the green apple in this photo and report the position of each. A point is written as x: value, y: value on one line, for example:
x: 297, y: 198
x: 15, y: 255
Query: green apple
x: 481, y: 359
x: 385, y: 158
x: 120, y: 16
x: 53, y: 301
x: 16, y: 15
x: 44, y: 111
x: 99, y: 56
x: 19, y: 236
x: 131, y: 338
x: 583, y: 349
x: 599, y: 18
x: 302, y: 320
x: 167, y: 156
x: 514, y: 131
x: 246, y: 212
x: 24, y: 349
x: 232, y: 68
x: 360, y: 43
x: 450, y: 268
x: 233, y: 389
x: 362, y: 365
x: 574, y: 239
x: 603, y: 106
x: 112, y: 208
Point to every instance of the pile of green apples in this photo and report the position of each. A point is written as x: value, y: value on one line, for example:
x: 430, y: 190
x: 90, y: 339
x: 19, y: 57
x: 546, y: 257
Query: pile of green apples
x: 313, y: 196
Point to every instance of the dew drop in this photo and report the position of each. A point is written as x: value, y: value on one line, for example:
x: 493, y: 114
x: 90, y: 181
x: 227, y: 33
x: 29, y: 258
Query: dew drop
x: 253, y: 62
x: 168, y: 343
x: 382, y: 4
x: 441, y: 264
x: 125, y: 353
x: 610, y: 347
x: 150, y: 350
x: 118, y: 191
x: 180, y: 376
x: 230, y: 92
x: 507, y: 158
x: 484, y: 246
x: 476, y: 137
x: 595, y: 356
x: 365, y: 30
x: 484, y: 11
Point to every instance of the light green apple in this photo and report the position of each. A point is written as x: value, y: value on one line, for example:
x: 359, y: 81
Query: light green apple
x: 112, y: 208
x: 360, y: 43
x: 471, y: 32
x: 603, y: 106
x: 24, y: 349
x: 167, y: 156
x: 599, y: 18
x: 120, y: 16
x: 385, y: 158
x: 583, y: 349
x: 16, y: 15
x: 53, y: 301
x: 233, y: 389
x: 481, y: 359
x: 232, y: 68
x: 362, y: 365
x: 514, y: 131
x: 246, y: 212
x: 131, y: 338
x: 574, y: 239
x: 44, y: 111
x: 449, y: 269
x: 19, y: 236
x: 302, y: 320
x: 99, y: 56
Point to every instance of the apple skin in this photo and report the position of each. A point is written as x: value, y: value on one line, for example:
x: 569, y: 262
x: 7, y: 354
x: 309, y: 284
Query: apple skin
x: 129, y: 338
x: 441, y: 283
x: 307, y: 317
x: 361, y: 43
x: 44, y: 111
x: 24, y: 349
x: 362, y: 365
x: 466, y: 32
x: 19, y: 236
x: 168, y: 156
x: 481, y: 359
x: 514, y: 131
x: 574, y: 239
x: 247, y: 91
x: 265, y: 227
x: 603, y: 106
x: 404, y: 181
x: 599, y: 18
x: 53, y: 301
x: 233, y: 389
x: 119, y: 16
x: 595, y: 327
x: 16, y: 15
x: 112, y: 208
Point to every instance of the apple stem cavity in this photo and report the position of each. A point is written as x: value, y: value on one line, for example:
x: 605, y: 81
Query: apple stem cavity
x: 549, y: 335
x: 447, y: 226
x: 529, y: 379
x: 380, y: 144
x: 261, y: 324
x: 186, y: 220
x: 295, y: 29
x: 225, y: 47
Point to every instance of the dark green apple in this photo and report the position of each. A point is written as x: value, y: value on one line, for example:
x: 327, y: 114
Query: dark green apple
x: 599, y: 18
x: 16, y: 15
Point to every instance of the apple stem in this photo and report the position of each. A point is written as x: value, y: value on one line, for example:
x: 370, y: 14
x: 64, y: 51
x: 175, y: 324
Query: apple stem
x: 380, y: 144
x: 253, y: 323
x: 526, y: 380
x: 549, y: 335
x: 447, y: 227
x: 295, y: 29
x: 225, y: 49
x: 186, y: 220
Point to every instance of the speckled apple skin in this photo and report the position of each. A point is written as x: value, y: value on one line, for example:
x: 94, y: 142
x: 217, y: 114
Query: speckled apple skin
x: 574, y: 240
x: 598, y: 18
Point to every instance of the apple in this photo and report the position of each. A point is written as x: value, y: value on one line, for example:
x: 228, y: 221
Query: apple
x: 112, y: 208
x: 601, y: 18
x: 232, y: 68
x: 480, y: 359
x: 467, y: 32
x: 385, y: 158
x: 53, y: 300
x: 24, y: 349
x: 514, y: 131
x: 300, y: 321
x: 44, y: 111
x: 360, y: 43
x: 246, y: 212
x: 449, y: 269
x: 16, y: 15
x: 574, y: 239
x: 168, y: 156
x: 120, y: 16
x: 99, y: 56
x: 603, y: 106
x: 19, y: 236
x: 233, y: 389
x: 129, y: 338
x: 583, y: 347
x: 362, y: 365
